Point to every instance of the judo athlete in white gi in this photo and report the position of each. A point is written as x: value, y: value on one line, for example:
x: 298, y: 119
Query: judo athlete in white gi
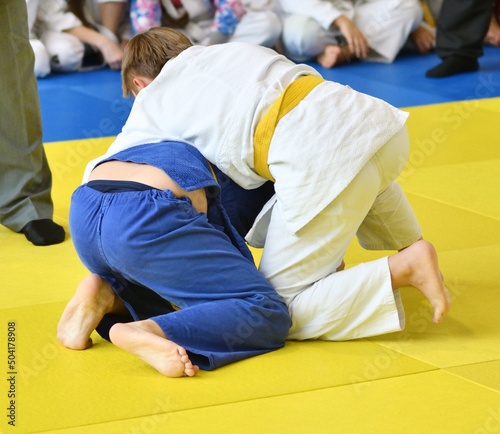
x: 338, y: 31
x: 333, y: 154
x: 173, y: 282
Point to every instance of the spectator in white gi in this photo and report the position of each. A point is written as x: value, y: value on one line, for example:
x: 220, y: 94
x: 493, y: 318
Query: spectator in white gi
x: 109, y: 17
x: 59, y: 39
x: 333, y: 32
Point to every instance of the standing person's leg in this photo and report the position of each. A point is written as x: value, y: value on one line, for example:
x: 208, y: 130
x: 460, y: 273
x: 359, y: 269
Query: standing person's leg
x: 25, y: 178
x: 461, y: 28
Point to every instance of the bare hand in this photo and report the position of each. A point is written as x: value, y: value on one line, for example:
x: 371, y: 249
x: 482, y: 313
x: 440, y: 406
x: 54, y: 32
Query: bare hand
x: 356, y: 41
x: 112, y: 53
x: 423, y: 39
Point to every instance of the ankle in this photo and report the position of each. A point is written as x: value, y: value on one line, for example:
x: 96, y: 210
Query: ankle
x: 400, y: 269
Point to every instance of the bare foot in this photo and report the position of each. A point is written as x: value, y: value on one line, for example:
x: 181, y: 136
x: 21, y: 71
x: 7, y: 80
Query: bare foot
x: 417, y: 265
x: 334, y: 55
x: 146, y: 340
x: 92, y: 300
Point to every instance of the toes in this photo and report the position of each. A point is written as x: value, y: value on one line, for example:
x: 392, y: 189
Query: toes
x: 441, y: 308
x: 191, y: 372
x: 182, y: 351
x: 438, y: 317
x: 438, y: 313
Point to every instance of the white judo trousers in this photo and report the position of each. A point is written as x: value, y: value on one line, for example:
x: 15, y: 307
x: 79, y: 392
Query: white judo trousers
x: 358, y: 302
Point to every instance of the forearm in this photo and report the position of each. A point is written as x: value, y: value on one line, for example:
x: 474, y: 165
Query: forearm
x: 110, y: 50
x: 112, y: 14
x: 88, y: 36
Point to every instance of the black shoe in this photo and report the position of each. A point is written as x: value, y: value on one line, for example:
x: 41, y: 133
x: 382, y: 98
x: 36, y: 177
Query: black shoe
x: 43, y: 232
x: 453, y: 65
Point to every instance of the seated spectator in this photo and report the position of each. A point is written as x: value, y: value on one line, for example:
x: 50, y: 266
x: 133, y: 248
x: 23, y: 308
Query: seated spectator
x: 62, y: 43
x: 333, y: 32
x: 109, y: 17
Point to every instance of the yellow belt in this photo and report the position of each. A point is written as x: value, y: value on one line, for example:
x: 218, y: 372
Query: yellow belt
x: 290, y: 98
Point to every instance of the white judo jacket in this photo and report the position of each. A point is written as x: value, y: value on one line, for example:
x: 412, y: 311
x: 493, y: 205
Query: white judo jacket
x: 214, y: 97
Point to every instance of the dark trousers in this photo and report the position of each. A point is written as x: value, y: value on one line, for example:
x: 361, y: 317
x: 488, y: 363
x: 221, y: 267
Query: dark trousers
x: 25, y: 178
x: 156, y: 251
x: 462, y: 26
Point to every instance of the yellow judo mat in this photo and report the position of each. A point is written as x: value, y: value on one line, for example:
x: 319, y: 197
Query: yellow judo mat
x: 426, y: 379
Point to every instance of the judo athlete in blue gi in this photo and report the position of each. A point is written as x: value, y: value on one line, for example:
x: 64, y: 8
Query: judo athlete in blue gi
x: 170, y: 273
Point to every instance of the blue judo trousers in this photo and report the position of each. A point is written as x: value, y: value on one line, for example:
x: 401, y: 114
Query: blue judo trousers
x: 190, y: 272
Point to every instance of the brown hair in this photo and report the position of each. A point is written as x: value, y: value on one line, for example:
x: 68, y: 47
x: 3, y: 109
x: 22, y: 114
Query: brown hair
x: 147, y: 52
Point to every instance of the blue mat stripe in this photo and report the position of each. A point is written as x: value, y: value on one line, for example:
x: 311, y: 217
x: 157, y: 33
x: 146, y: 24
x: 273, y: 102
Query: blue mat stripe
x: 90, y: 104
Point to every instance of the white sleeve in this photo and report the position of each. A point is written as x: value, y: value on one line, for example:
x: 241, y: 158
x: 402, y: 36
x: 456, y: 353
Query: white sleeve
x: 323, y: 12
